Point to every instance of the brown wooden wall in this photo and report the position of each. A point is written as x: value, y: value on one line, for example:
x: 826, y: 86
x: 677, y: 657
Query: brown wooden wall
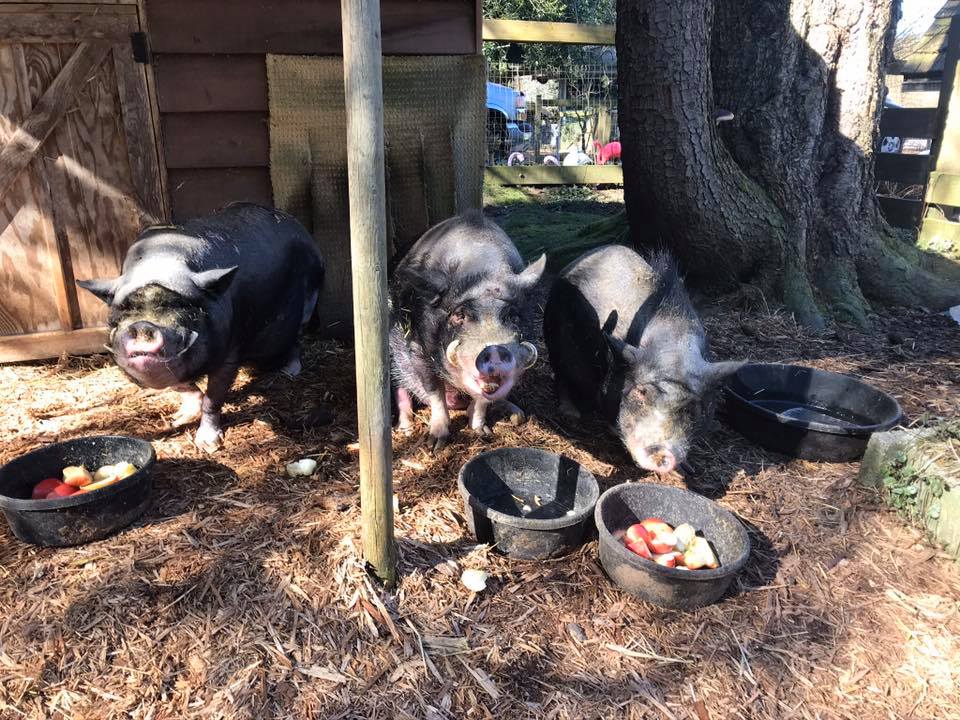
x: 210, y: 69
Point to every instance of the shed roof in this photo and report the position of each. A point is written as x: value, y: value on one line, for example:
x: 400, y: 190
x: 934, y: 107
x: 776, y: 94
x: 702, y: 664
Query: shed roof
x: 924, y: 54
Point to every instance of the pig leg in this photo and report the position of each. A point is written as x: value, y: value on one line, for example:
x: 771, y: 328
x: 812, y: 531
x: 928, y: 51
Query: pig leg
x: 517, y: 415
x: 209, y: 435
x: 439, y: 421
x: 477, y: 414
x: 293, y: 366
x: 405, y: 406
x: 191, y: 403
x: 566, y: 402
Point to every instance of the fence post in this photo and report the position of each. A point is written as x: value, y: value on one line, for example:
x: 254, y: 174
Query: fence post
x: 363, y: 85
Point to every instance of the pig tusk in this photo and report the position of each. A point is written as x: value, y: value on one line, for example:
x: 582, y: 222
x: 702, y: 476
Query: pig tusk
x: 533, y: 354
x: 451, y: 352
x: 190, y: 342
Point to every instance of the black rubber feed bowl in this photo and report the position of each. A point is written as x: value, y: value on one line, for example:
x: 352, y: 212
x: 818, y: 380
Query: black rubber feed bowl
x: 83, y: 517
x: 807, y: 413
x: 624, y: 505
x: 531, y: 504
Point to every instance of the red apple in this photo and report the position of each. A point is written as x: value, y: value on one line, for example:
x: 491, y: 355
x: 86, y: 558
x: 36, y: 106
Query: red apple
x: 640, y: 548
x: 670, y: 559
x: 44, y: 488
x: 663, y: 542
x: 656, y: 525
x: 61, y: 491
x: 637, y: 532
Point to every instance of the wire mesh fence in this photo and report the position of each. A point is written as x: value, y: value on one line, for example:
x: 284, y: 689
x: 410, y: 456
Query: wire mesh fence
x: 561, y: 115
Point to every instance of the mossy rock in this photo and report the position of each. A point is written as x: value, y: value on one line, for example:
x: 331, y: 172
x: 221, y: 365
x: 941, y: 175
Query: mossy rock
x: 918, y: 474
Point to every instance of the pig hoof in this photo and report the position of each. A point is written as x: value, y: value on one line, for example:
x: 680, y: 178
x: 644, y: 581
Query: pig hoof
x: 293, y: 367
x: 436, y: 443
x: 208, y: 439
x: 185, y: 417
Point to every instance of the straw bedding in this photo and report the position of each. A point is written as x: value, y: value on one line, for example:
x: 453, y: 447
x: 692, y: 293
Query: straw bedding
x: 241, y: 594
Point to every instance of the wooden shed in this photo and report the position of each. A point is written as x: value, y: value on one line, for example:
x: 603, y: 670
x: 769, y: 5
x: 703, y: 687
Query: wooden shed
x: 117, y: 114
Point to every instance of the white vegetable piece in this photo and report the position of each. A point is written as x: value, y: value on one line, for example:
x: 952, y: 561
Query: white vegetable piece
x: 685, y: 534
x: 301, y: 468
x: 475, y: 580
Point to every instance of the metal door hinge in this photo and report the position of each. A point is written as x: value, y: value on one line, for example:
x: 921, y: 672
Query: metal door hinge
x: 141, y: 47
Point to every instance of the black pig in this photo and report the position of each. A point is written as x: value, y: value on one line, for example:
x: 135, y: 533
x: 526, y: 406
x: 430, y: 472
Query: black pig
x: 625, y: 343
x: 206, y: 296
x: 461, y: 313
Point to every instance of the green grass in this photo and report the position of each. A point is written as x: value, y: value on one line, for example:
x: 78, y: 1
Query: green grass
x: 563, y: 222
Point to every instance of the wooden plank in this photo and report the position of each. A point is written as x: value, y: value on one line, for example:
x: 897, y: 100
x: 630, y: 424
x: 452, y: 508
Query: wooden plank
x: 57, y: 24
x: 46, y: 113
x: 420, y: 27
x: 87, y: 163
x: 363, y: 82
x: 154, y: 111
x: 943, y: 189
x: 906, y: 169
x: 939, y: 233
x: 211, y: 83
x: 908, y: 122
x: 199, y: 191
x: 945, y: 149
x: 38, y: 346
x: 141, y: 139
x: 31, y: 288
x: 548, y: 32
x: 901, y: 212
x: 210, y: 140
x: 554, y: 175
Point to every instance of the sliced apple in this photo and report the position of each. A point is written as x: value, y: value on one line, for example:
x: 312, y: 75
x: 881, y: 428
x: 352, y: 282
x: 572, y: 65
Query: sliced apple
x: 640, y: 548
x: 699, y: 555
x: 77, y: 476
x: 670, y: 559
x: 663, y: 542
x: 637, y: 532
x: 685, y: 533
x: 656, y: 525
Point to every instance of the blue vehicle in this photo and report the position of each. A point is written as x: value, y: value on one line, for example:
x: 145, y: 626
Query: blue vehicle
x: 507, y: 129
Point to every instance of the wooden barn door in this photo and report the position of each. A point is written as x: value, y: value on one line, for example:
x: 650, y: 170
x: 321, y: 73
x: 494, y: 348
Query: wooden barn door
x: 79, y: 169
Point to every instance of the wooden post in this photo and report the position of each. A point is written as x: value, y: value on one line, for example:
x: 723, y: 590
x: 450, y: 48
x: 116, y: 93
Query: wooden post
x: 537, y: 119
x: 363, y: 84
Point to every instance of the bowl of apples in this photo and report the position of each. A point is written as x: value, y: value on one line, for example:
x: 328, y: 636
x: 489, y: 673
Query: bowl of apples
x: 669, y: 546
x: 77, y: 491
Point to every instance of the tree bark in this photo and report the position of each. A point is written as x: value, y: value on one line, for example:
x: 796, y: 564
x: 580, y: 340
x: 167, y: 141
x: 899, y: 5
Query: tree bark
x: 781, y: 197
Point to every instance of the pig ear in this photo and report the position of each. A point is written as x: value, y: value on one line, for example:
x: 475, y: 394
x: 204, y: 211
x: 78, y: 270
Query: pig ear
x: 532, y: 274
x: 622, y: 351
x: 102, y: 288
x: 715, y: 373
x: 216, y: 280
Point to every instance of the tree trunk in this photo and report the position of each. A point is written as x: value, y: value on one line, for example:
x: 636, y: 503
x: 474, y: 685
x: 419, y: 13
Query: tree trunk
x: 782, y: 196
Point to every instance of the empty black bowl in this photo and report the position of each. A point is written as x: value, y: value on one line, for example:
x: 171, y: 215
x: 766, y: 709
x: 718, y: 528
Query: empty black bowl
x: 532, y: 504
x: 807, y: 413
x: 83, y: 517
x: 623, y: 505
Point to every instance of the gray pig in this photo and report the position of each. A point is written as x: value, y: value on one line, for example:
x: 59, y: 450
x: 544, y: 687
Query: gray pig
x: 625, y: 343
x: 461, y: 313
x: 207, y: 296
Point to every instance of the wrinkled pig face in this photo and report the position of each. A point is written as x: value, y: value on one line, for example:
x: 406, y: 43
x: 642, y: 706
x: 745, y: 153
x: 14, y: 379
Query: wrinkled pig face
x: 158, y: 337
x: 485, y: 354
x: 478, y: 324
x: 662, y: 412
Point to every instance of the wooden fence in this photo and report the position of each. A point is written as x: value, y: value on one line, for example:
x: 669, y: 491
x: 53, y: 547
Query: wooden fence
x: 938, y: 173
x: 551, y: 32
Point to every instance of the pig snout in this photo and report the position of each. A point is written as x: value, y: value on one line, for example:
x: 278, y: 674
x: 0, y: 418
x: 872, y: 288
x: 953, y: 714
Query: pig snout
x: 142, y: 338
x: 657, y: 458
x: 495, y: 361
x: 496, y: 366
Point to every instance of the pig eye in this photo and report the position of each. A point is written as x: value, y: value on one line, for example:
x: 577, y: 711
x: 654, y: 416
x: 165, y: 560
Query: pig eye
x: 639, y: 393
x: 457, y: 318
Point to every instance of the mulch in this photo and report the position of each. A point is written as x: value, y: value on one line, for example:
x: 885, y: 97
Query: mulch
x: 241, y: 593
